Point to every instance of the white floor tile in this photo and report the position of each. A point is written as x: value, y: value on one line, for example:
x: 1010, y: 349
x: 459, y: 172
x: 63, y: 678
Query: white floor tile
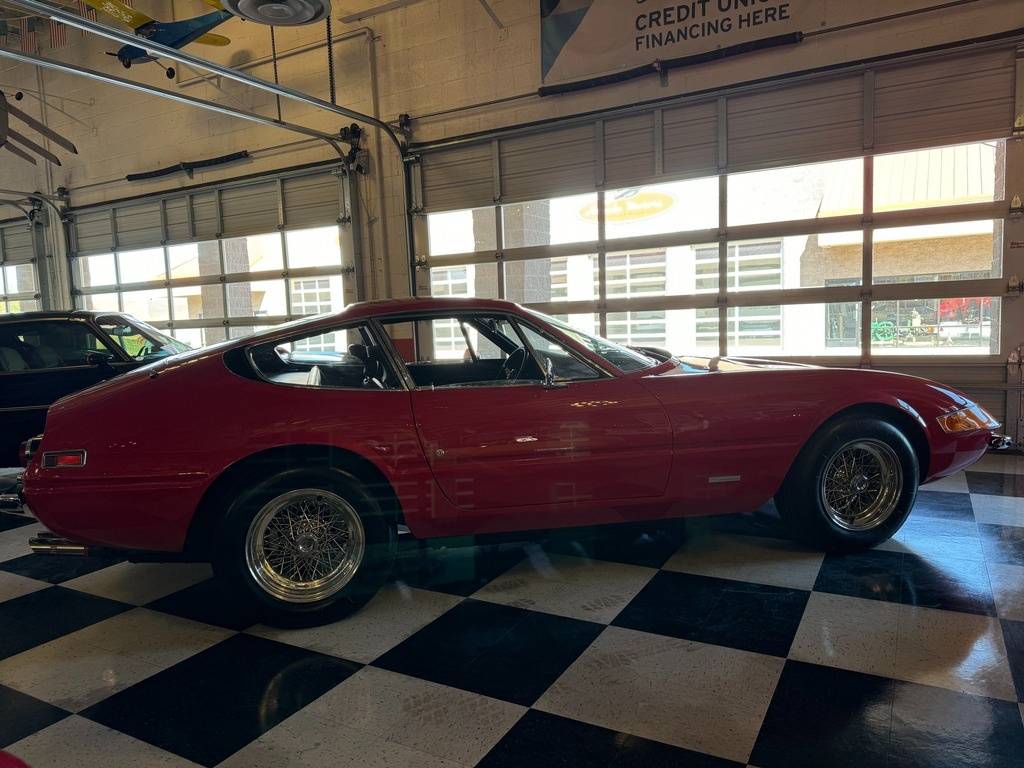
x: 998, y: 510
x: 702, y: 697
x: 747, y: 558
x: 82, y: 743
x: 12, y: 585
x: 954, y: 484
x: 14, y: 543
x: 140, y: 583
x: 1007, y: 590
x: 84, y: 667
x: 394, y: 614
x: 592, y: 590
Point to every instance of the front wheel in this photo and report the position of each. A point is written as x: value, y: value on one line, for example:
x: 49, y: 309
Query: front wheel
x: 305, y: 547
x: 852, y: 486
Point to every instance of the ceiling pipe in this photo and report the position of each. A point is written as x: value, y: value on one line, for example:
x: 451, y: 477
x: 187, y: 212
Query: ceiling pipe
x: 40, y: 61
x: 73, y: 20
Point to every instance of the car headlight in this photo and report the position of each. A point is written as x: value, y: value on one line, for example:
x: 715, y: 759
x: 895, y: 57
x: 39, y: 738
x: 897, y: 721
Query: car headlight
x: 968, y: 419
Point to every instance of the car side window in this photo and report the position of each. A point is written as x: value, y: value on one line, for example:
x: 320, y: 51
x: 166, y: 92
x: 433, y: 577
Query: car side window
x: 565, y: 366
x: 343, y: 358
x: 48, y: 344
x: 462, y: 350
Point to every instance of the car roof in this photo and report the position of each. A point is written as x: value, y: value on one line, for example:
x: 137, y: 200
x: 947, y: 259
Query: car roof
x: 74, y: 314
x: 381, y: 307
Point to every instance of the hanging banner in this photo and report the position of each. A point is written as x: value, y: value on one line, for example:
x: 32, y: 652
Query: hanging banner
x: 584, y: 40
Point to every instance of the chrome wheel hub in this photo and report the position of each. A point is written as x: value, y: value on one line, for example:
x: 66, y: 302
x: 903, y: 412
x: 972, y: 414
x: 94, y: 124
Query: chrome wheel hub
x: 305, y: 545
x: 861, y: 485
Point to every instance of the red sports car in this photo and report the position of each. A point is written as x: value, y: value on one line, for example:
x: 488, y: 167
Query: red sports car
x: 290, y: 458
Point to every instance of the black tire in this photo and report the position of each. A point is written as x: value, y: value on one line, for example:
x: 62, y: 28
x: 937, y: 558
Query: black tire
x: 232, y: 558
x: 800, y: 501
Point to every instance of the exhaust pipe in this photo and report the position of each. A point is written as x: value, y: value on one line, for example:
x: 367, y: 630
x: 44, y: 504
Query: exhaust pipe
x: 52, y: 544
x: 1000, y: 443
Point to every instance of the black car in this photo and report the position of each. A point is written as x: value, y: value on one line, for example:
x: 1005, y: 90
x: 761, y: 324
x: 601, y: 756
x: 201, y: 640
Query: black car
x: 46, y: 355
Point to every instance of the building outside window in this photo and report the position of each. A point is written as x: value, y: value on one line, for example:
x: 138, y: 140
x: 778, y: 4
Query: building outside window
x: 19, y: 286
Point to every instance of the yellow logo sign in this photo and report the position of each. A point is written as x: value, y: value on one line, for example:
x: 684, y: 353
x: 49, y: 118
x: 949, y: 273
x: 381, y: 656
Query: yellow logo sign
x: 630, y: 206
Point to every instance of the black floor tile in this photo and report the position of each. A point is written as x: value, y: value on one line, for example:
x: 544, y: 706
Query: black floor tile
x: 936, y: 728
x: 945, y: 583
x: 761, y: 522
x: 205, y: 602
x: 648, y: 545
x: 56, y: 568
x: 995, y: 483
x: 214, y: 703
x: 42, y: 616
x: 23, y: 715
x: 542, y: 739
x: 952, y: 506
x: 10, y: 521
x: 820, y: 716
x: 1003, y: 543
x: 752, y: 617
x: 1013, y: 635
x: 873, y: 575
x: 496, y: 650
x: 459, y: 569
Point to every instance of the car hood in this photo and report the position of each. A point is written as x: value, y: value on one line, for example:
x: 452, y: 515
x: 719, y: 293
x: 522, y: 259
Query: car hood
x: 696, y: 364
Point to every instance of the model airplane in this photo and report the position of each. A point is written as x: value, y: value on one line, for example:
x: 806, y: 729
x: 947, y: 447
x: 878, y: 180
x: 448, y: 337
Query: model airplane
x: 174, y: 34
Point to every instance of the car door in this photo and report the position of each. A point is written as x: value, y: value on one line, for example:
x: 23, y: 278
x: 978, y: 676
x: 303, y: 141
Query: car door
x: 41, y: 361
x: 494, y: 444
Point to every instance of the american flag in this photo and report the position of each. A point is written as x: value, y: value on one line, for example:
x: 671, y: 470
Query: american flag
x: 58, y: 34
x: 27, y: 33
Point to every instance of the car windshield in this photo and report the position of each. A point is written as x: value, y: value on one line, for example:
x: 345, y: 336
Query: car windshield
x: 624, y: 359
x: 141, y: 341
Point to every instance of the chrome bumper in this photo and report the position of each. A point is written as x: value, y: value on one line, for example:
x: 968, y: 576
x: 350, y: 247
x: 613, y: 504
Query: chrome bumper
x: 1000, y: 443
x: 52, y: 544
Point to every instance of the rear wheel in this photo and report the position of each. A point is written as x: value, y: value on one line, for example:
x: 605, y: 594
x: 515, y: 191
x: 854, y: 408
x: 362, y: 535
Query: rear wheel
x: 852, y: 486
x: 305, y: 547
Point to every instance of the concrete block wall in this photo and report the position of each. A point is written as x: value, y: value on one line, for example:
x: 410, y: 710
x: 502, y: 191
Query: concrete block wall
x: 442, y: 61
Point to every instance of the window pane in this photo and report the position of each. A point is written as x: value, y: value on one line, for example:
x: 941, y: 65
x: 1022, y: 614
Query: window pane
x: 22, y: 305
x: 960, y: 250
x: 968, y: 173
x: 570, y: 219
x: 41, y: 345
x: 566, y: 278
x: 798, y: 192
x: 663, y: 271
x: 256, y: 253
x: 565, y: 366
x: 259, y: 298
x: 680, y: 331
x: 200, y: 337
x: 20, y: 278
x: 95, y: 270
x: 102, y: 302
x: 798, y: 329
x: 677, y: 206
x: 198, y: 302
x: 316, y: 295
x: 313, y: 248
x: 142, y: 266
x: 150, y: 306
x: 935, y: 326
x: 479, y: 280
x: 194, y: 259
x: 462, y: 231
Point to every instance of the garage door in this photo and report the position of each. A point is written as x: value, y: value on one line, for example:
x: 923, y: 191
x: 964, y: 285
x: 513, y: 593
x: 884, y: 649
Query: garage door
x: 19, y: 282
x: 857, y: 218
x: 221, y: 262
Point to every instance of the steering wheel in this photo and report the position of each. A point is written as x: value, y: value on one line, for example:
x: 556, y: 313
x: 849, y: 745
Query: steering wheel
x: 513, y: 365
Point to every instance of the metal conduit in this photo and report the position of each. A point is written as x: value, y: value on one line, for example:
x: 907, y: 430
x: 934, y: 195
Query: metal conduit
x: 40, y: 61
x: 72, y: 20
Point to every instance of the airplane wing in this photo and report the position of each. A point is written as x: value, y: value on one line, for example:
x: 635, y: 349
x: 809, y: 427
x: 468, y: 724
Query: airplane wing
x: 211, y: 39
x: 121, y: 12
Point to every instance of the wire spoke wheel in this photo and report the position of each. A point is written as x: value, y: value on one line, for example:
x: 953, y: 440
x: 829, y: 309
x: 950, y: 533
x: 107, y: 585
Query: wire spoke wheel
x: 305, y: 545
x: 861, y: 485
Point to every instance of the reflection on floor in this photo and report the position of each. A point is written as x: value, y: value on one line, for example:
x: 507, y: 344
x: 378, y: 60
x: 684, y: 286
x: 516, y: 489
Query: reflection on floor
x: 711, y: 644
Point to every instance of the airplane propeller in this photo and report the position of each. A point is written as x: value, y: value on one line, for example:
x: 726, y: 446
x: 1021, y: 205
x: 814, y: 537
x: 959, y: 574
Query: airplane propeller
x: 20, y: 145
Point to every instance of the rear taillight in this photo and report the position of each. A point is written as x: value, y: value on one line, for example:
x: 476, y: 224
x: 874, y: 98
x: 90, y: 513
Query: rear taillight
x: 63, y: 459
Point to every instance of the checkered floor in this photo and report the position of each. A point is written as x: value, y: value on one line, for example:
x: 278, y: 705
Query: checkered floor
x: 716, y: 643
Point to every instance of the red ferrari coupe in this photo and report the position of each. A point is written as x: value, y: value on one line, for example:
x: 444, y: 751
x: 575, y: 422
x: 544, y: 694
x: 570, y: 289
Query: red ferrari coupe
x: 290, y: 458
